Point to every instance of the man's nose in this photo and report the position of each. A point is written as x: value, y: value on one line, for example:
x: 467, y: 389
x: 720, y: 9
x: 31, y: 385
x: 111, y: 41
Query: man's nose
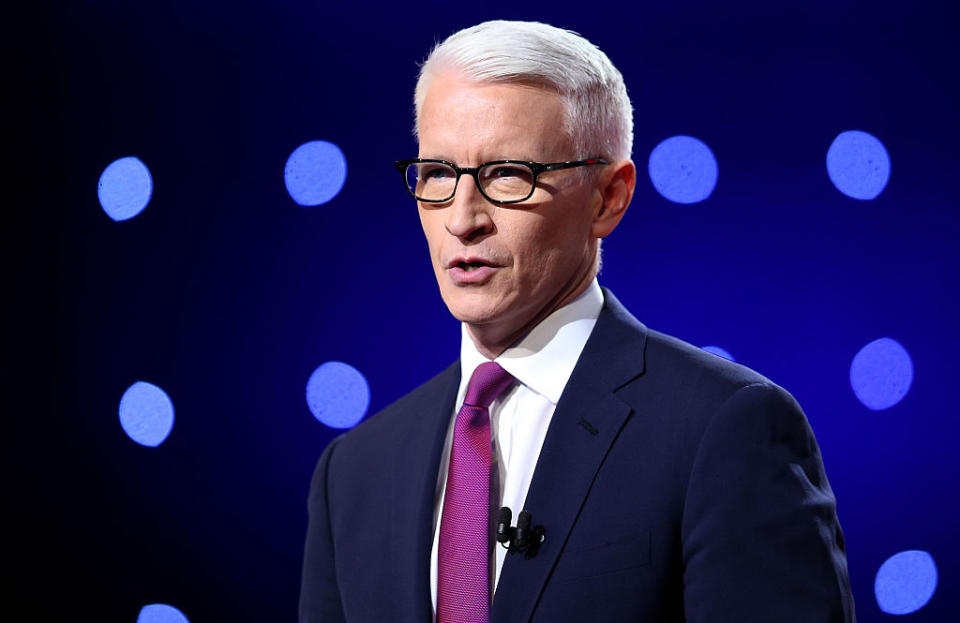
x: 468, y: 216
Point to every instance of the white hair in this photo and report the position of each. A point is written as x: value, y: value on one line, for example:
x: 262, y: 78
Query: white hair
x: 599, y: 117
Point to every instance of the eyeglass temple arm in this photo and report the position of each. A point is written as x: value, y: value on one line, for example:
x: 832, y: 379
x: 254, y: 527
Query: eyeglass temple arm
x: 554, y: 166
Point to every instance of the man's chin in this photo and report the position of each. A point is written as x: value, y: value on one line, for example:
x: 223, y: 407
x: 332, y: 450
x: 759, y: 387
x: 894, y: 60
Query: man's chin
x: 475, y: 312
x: 473, y: 317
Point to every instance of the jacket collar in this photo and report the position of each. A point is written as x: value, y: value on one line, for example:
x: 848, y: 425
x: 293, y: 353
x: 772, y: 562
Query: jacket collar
x: 587, y: 420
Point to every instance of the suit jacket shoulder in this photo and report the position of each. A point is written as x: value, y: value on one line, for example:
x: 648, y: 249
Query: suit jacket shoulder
x: 676, y: 485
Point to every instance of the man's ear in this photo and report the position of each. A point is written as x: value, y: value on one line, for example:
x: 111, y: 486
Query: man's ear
x: 615, y: 188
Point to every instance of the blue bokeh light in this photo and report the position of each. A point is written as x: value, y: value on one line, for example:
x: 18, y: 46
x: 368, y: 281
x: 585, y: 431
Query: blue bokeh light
x: 338, y: 394
x: 315, y: 173
x: 161, y: 613
x: 905, y: 582
x: 720, y: 352
x: 125, y: 188
x: 683, y: 169
x: 858, y: 164
x: 146, y: 414
x: 881, y: 373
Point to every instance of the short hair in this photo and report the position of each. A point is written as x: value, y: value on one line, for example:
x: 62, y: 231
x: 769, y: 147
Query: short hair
x: 599, y: 116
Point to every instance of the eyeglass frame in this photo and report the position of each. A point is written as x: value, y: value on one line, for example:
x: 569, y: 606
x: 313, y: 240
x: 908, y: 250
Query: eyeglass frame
x: 536, y: 167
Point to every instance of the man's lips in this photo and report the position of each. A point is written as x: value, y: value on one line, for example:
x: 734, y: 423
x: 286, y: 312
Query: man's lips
x: 470, y: 270
x: 468, y: 261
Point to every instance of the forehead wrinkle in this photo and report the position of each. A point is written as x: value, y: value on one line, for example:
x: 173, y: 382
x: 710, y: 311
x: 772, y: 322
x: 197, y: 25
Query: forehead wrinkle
x: 474, y: 123
x: 487, y: 148
x: 494, y: 144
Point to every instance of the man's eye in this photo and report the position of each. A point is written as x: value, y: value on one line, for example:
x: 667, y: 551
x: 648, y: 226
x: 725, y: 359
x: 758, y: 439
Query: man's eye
x: 435, y: 172
x: 508, y: 171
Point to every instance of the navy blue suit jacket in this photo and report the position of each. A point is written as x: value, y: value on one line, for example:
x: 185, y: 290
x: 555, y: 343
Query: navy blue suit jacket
x: 673, y: 486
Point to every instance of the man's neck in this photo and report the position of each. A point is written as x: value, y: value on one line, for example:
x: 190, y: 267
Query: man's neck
x: 492, y: 339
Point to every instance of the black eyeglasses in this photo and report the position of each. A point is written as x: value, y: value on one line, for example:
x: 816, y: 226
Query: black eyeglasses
x: 499, y: 181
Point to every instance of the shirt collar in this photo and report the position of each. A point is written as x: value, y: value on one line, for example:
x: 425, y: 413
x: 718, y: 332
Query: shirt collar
x: 543, y: 360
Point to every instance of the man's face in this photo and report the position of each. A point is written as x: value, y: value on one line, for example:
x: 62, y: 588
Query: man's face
x: 505, y: 267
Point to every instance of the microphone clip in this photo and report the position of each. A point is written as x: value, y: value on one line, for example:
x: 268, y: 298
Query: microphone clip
x: 521, y: 538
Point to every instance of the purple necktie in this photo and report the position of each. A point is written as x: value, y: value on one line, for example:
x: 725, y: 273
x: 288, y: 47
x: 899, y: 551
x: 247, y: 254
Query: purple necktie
x: 463, y: 558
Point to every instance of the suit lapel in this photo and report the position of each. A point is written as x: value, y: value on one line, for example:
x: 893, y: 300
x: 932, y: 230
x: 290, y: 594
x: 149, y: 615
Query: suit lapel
x: 418, y: 452
x: 585, y: 424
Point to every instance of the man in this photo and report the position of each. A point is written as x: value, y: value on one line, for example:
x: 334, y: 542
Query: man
x: 670, y: 484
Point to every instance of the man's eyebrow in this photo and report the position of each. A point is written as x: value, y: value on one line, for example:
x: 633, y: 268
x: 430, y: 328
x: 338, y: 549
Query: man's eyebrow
x: 512, y: 157
x: 522, y: 158
x: 435, y: 157
x: 497, y: 158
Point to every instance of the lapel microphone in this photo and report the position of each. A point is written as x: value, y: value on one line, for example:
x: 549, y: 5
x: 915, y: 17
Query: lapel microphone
x: 521, y: 538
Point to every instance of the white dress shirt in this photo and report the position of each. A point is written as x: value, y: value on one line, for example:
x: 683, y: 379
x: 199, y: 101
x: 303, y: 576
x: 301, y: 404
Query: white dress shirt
x: 542, y: 363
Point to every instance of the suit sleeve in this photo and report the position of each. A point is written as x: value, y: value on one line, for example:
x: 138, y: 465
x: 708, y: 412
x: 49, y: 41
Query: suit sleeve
x: 319, y: 592
x: 761, y: 540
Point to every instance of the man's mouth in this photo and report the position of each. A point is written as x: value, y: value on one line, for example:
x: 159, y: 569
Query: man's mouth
x: 470, y: 271
x: 470, y: 266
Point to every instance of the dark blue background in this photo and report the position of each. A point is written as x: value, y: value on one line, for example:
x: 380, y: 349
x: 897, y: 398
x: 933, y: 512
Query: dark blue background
x: 227, y: 294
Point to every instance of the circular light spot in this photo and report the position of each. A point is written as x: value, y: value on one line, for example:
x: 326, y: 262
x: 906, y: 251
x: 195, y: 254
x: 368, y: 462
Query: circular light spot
x: 338, y: 394
x: 146, y: 414
x: 161, y: 613
x: 881, y: 373
x: 315, y: 173
x: 683, y: 169
x: 905, y: 582
x: 716, y: 350
x: 125, y: 188
x: 858, y: 164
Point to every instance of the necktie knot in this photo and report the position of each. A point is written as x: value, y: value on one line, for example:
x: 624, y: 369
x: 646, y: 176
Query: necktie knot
x: 489, y: 380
